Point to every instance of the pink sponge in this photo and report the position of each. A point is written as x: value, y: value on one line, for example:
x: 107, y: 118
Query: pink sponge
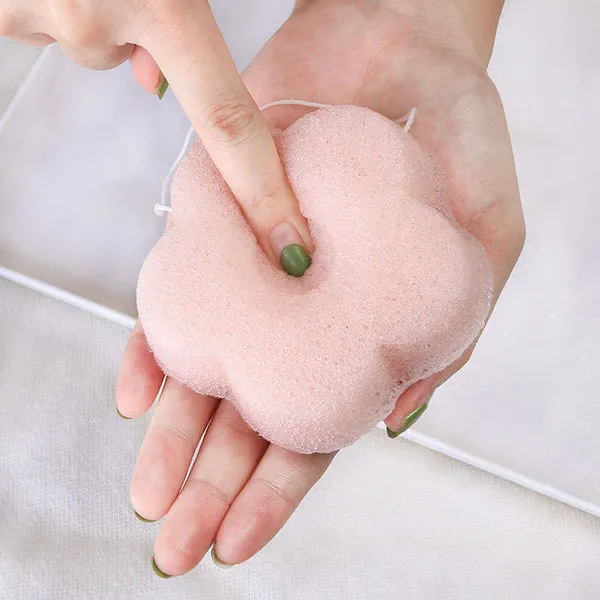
x: 396, y: 292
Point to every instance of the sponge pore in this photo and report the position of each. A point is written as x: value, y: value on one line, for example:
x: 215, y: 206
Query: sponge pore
x: 396, y: 292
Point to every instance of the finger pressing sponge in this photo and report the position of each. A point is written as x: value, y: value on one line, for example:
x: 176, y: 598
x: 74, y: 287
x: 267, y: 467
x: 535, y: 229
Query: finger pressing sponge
x: 396, y: 292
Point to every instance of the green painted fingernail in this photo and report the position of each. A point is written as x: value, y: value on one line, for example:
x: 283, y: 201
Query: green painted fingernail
x: 218, y: 562
x: 162, y: 88
x: 122, y: 416
x: 160, y: 573
x: 142, y: 518
x: 295, y: 260
x: 410, y: 420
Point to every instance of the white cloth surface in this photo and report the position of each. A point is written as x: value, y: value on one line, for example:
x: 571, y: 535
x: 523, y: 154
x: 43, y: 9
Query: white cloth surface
x: 526, y: 402
x: 390, y: 519
x: 58, y: 226
x: 15, y: 63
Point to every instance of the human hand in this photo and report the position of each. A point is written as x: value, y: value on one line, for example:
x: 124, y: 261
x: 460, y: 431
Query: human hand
x: 240, y: 491
x: 182, y: 41
x: 388, y: 57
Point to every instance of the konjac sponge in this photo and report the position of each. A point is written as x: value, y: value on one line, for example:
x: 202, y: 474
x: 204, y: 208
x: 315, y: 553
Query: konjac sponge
x: 396, y: 292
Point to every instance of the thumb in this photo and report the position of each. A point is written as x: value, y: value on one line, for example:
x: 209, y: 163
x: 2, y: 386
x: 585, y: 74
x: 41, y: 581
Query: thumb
x: 147, y: 72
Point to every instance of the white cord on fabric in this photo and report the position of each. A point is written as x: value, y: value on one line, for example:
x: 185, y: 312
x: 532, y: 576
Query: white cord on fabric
x: 500, y: 471
x: 67, y: 297
x: 164, y: 206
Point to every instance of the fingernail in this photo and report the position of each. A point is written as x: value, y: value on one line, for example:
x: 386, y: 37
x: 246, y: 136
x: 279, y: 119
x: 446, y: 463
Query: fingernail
x: 142, y: 518
x: 287, y: 244
x: 295, y: 260
x: 218, y: 562
x: 163, y: 86
x: 122, y: 416
x: 160, y: 573
x: 410, y: 420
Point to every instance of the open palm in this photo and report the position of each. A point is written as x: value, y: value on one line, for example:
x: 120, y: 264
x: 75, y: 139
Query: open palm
x: 241, y: 490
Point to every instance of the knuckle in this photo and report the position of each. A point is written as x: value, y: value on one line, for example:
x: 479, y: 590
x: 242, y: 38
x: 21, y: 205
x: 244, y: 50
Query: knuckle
x: 173, y: 435
x: 232, y: 121
x: 275, y: 494
x: 87, y: 34
x: 205, y: 488
x: 103, y: 58
x: 232, y: 430
x: 293, y: 481
x: 268, y: 199
x: 77, y: 23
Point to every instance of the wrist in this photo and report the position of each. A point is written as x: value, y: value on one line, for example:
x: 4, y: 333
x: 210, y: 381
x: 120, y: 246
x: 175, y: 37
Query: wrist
x: 481, y: 18
x: 468, y: 26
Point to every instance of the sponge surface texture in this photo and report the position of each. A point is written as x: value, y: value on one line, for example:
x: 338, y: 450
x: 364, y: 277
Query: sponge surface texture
x: 396, y: 292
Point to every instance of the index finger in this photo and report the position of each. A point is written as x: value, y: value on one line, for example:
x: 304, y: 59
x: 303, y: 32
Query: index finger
x: 191, y: 52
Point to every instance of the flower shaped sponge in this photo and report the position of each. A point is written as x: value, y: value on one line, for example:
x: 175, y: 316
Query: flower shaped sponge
x: 396, y: 292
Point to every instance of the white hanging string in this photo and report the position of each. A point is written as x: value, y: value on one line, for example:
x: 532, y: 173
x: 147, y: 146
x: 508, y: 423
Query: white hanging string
x: 409, y: 119
x: 293, y: 102
x: 164, y: 205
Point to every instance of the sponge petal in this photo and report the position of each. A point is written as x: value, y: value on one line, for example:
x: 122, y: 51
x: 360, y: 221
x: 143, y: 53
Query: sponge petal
x: 396, y: 292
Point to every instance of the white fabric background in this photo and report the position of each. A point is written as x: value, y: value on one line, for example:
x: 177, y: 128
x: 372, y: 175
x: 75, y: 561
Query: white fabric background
x: 15, y: 63
x: 71, y: 127
x: 390, y: 519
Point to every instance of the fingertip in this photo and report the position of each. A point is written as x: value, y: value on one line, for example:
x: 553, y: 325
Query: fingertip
x: 410, y: 406
x: 162, y: 88
x: 159, y: 572
x: 147, y: 73
x: 122, y: 415
x: 217, y: 561
x: 290, y: 248
x: 140, y: 378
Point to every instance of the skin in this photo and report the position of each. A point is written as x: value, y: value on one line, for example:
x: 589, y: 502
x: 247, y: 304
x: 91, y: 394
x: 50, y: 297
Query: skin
x: 389, y: 56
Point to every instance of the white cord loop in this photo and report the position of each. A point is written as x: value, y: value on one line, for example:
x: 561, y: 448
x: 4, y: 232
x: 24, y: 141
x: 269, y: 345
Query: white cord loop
x: 163, y: 207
